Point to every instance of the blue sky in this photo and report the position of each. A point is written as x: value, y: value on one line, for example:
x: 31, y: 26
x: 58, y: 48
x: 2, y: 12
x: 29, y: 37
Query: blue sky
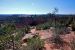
x: 36, y: 6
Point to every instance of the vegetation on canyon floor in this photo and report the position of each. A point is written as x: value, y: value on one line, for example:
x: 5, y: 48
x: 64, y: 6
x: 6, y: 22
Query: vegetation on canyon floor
x: 11, y: 35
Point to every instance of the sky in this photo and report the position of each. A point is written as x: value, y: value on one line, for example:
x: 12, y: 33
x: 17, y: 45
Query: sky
x: 36, y: 6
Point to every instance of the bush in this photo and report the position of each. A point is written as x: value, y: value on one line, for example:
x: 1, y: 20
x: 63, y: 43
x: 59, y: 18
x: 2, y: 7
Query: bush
x: 73, y: 45
x: 34, y: 44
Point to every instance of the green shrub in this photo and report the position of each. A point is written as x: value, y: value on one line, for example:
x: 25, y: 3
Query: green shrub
x: 34, y: 44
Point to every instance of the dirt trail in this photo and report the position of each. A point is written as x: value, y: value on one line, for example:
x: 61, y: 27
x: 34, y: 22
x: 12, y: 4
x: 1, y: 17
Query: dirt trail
x: 47, y: 34
x: 67, y: 38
